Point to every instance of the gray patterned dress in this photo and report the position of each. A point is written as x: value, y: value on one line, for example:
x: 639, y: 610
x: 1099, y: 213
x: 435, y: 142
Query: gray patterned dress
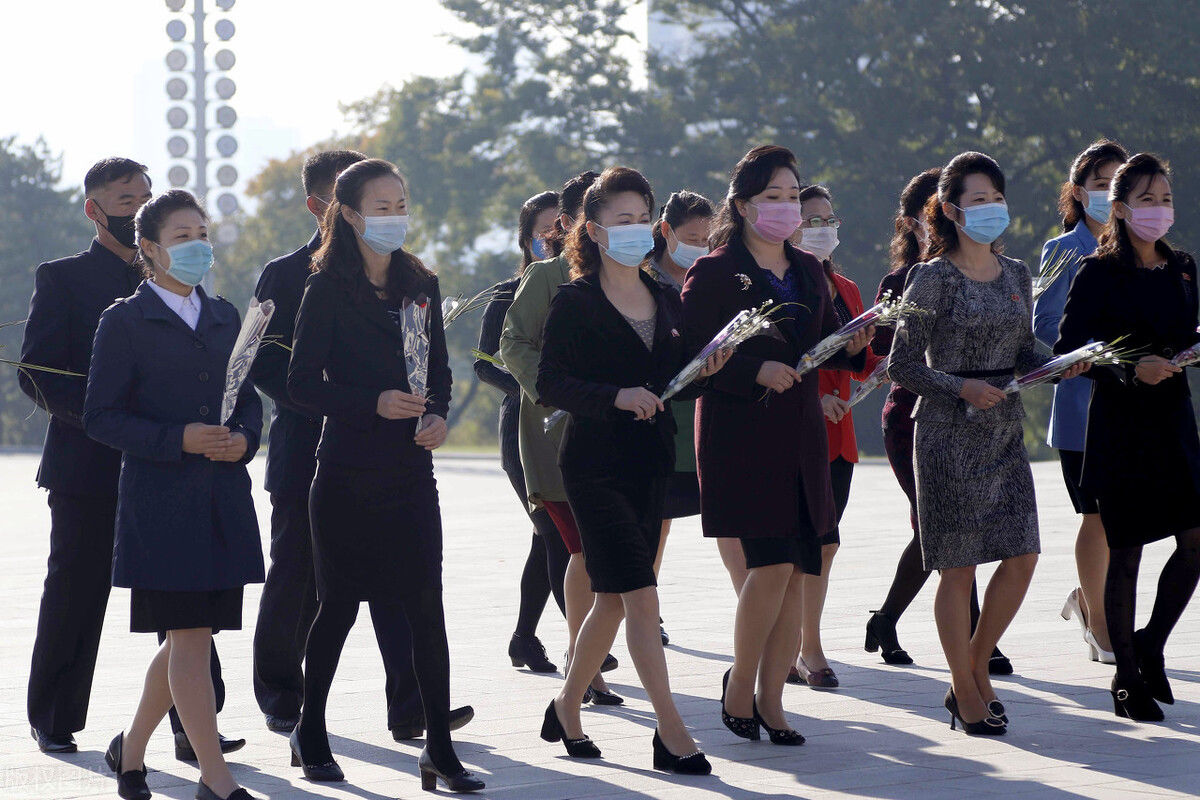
x: 975, y: 500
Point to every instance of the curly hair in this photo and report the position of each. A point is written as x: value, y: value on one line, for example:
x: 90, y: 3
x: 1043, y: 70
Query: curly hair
x: 905, y: 249
x: 581, y: 252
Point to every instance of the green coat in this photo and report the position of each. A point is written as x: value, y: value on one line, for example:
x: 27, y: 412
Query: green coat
x: 521, y: 350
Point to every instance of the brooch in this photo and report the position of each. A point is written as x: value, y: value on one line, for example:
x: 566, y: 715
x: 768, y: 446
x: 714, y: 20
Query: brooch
x: 745, y: 279
x: 1015, y: 297
x: 674, y: 333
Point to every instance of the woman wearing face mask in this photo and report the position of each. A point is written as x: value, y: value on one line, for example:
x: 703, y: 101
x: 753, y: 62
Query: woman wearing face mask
x: 376, y: 524
x: 1085, y: 207
x: 817, y: 234
x: 187, y: 537
x: 1141, y: 456
x: 975, y: 495
x: 546, y: 564
x: 614, y: 326
x: 680, y: 237
x: 762, y: 452
x: 909, y: 239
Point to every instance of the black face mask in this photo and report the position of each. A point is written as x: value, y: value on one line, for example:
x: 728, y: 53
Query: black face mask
x: 121, y: 228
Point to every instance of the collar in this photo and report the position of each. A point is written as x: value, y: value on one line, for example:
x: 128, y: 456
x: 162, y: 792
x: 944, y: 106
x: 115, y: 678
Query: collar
x: 174, y: 301
x: 99, y: 251
x: 664, y: 277
x: 1084, y: 235
x: 314, y: 242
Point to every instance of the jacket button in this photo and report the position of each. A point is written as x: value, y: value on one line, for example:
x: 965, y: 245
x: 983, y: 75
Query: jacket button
x: 203, y: 376
x: 837, y: 392
x: 204, y: 411
x: 199, y: 345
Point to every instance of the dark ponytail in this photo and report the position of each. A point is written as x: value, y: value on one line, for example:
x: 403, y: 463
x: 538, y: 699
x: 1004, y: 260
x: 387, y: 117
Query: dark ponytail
x: 680, y: 208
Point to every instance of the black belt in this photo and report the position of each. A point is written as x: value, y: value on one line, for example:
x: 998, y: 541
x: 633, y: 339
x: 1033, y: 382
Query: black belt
x: 984, y: 373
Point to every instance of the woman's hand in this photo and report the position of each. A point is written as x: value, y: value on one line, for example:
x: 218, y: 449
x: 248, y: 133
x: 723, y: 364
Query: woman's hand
x: 1152, y: 370
x: 860, y: 340
x: 233, y: 452
x: 1076, y: 371
x: 642, y: 402
x: 980, y: 394
x: 713, y: 364
x: 835, y: 408
x: 431, y: 434
x: 395, y: 404
x: 203, y: 439
x: 776, y: 376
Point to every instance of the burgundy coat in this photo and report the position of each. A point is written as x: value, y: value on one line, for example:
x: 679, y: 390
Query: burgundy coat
x: 756, y: 450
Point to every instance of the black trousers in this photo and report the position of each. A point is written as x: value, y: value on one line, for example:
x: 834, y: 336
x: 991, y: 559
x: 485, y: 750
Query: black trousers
x: 71, y: 616
x: 285, y: 615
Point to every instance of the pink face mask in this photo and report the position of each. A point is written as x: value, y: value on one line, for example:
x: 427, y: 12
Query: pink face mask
x: 777, y: 221
x: 1150, y: 223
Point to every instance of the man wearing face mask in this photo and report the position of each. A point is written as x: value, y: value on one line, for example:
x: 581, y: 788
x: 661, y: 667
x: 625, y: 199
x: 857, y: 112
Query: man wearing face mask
x: 80, y: 473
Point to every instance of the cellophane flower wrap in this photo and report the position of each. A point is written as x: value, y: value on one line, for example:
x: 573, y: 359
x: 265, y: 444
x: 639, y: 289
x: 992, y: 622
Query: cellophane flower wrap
x: 1188, y: 357
x: 747, y: 323
x: 414, y: 327
x: 250, y: 337
x: 1091, y: 353
x: 878, y: 377
x: 885, y: 313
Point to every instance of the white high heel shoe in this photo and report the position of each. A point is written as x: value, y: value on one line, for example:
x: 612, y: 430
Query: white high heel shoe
x: 1098, y: 653
x: 1072, y: 609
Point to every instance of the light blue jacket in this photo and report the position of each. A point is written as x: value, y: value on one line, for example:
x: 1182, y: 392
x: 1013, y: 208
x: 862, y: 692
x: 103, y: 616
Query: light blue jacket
x: 1068, y: 414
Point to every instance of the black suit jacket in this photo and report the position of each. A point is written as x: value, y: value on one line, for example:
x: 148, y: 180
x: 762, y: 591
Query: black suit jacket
x: 295, y: 431
x: 68, y: 298
x: 589, y: 353
x: 347, y: 350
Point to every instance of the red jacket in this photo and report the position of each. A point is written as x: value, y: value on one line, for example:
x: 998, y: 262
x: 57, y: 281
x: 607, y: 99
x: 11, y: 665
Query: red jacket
x: 837, y: 382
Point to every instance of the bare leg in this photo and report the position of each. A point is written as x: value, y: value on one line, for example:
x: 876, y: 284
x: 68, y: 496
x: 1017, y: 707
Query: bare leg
x: 662, y: 546
x: 779, y: 652
x: 952, y: 610
x: 155, y: 703
x: 758, y: 610
x: 192, y: 690
x: 1001, y: 601
x: 645, y: 647
x: 595, y: 639
x: 734, y: 558
x: 1091, y: 560
x: 808, y: 644
x: 577, y: 588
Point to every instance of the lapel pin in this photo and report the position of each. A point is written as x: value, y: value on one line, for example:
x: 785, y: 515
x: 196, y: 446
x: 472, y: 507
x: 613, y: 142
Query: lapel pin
x: 745, y: 279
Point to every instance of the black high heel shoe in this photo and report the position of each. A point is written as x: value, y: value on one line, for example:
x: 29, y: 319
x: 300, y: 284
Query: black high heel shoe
x: 745, y: 727
x: 1132, y: 700
x: 988, y: 726
x: 999, y: 664
x: 605, y: 698
x: 131, y: 784
x: 693, y: 764
x: 205, y: 793
x: 529, y: 651
x: 784, y: 736
x: 552, y: 731
x: 328, y: 772
x: 1153, y: 669
x: 460, y: 781
x: 997, y: 710
x: 881, y: 635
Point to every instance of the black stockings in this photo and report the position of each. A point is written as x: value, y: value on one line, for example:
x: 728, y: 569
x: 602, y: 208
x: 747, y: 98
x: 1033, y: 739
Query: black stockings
x: 910, y: 577
x: 545, y: 568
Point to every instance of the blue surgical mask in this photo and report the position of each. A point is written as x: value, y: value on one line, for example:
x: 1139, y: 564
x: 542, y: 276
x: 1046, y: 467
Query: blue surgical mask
x: 686, y: 254
x: 538, y: 248
x: 384, y: 235
x: 984, y: 223
x: 628, y: 244
x: 190, y: 261
x: 1098, y: 206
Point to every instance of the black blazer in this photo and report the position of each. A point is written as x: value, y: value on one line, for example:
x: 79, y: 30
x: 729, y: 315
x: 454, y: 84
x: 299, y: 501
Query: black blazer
x: 589, y: 353
x: 68, y: 298
x: 489, y: 343
x: 347, y: 350
x: 184, y: 523
x: 295, y: 431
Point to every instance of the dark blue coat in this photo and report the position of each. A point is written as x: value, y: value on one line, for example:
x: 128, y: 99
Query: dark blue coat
x: 68, y: 298
x: 184, y: 523
x: 295, y: 430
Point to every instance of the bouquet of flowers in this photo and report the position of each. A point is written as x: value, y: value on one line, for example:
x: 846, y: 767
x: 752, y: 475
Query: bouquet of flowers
x: 414, y: 327
x: 747, y: 323
x: 1188, y: 357
x: 455, y: 307
x: 878, y: 376
x: 1053, y: 270
x: 884, y: 313
x: 244, y: 350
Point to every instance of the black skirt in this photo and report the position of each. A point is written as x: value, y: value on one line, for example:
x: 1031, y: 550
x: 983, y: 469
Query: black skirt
x: 683, y: 496
x: 802, y: 552
x: 1083, y: 500
x: 620, y: 524
x: 154, y: 611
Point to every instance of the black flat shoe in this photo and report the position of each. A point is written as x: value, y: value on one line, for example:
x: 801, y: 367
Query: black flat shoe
x: 552, y: 731
x: 606, y: 698
x: 527, y: 651
x: 999, y: 664
x: 881, y: 635
x: 281, y: 724
x: 745, y: 727
x: 54, y: 743
x: 1153, y: 668
x: 693, y: 764
x: 184, y: 751
x: 328, y: 772
x: 414, y: 727
x: 662, y: 632
x: 988, y: 726
x: 1132, y: 700
x: 610, y: 663
x: 783, y: 736
x: 205, y: 793
x: 457, y: 781
x: 131, y: 784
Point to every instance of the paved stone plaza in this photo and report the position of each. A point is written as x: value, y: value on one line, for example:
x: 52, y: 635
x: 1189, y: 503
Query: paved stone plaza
x: 884, y: 734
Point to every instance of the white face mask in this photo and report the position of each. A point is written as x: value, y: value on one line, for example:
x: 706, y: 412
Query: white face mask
x: 821, y: 242
x: 686, y: 254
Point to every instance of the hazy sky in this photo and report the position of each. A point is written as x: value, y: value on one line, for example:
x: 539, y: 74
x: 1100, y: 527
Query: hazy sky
x: 88, y: 75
